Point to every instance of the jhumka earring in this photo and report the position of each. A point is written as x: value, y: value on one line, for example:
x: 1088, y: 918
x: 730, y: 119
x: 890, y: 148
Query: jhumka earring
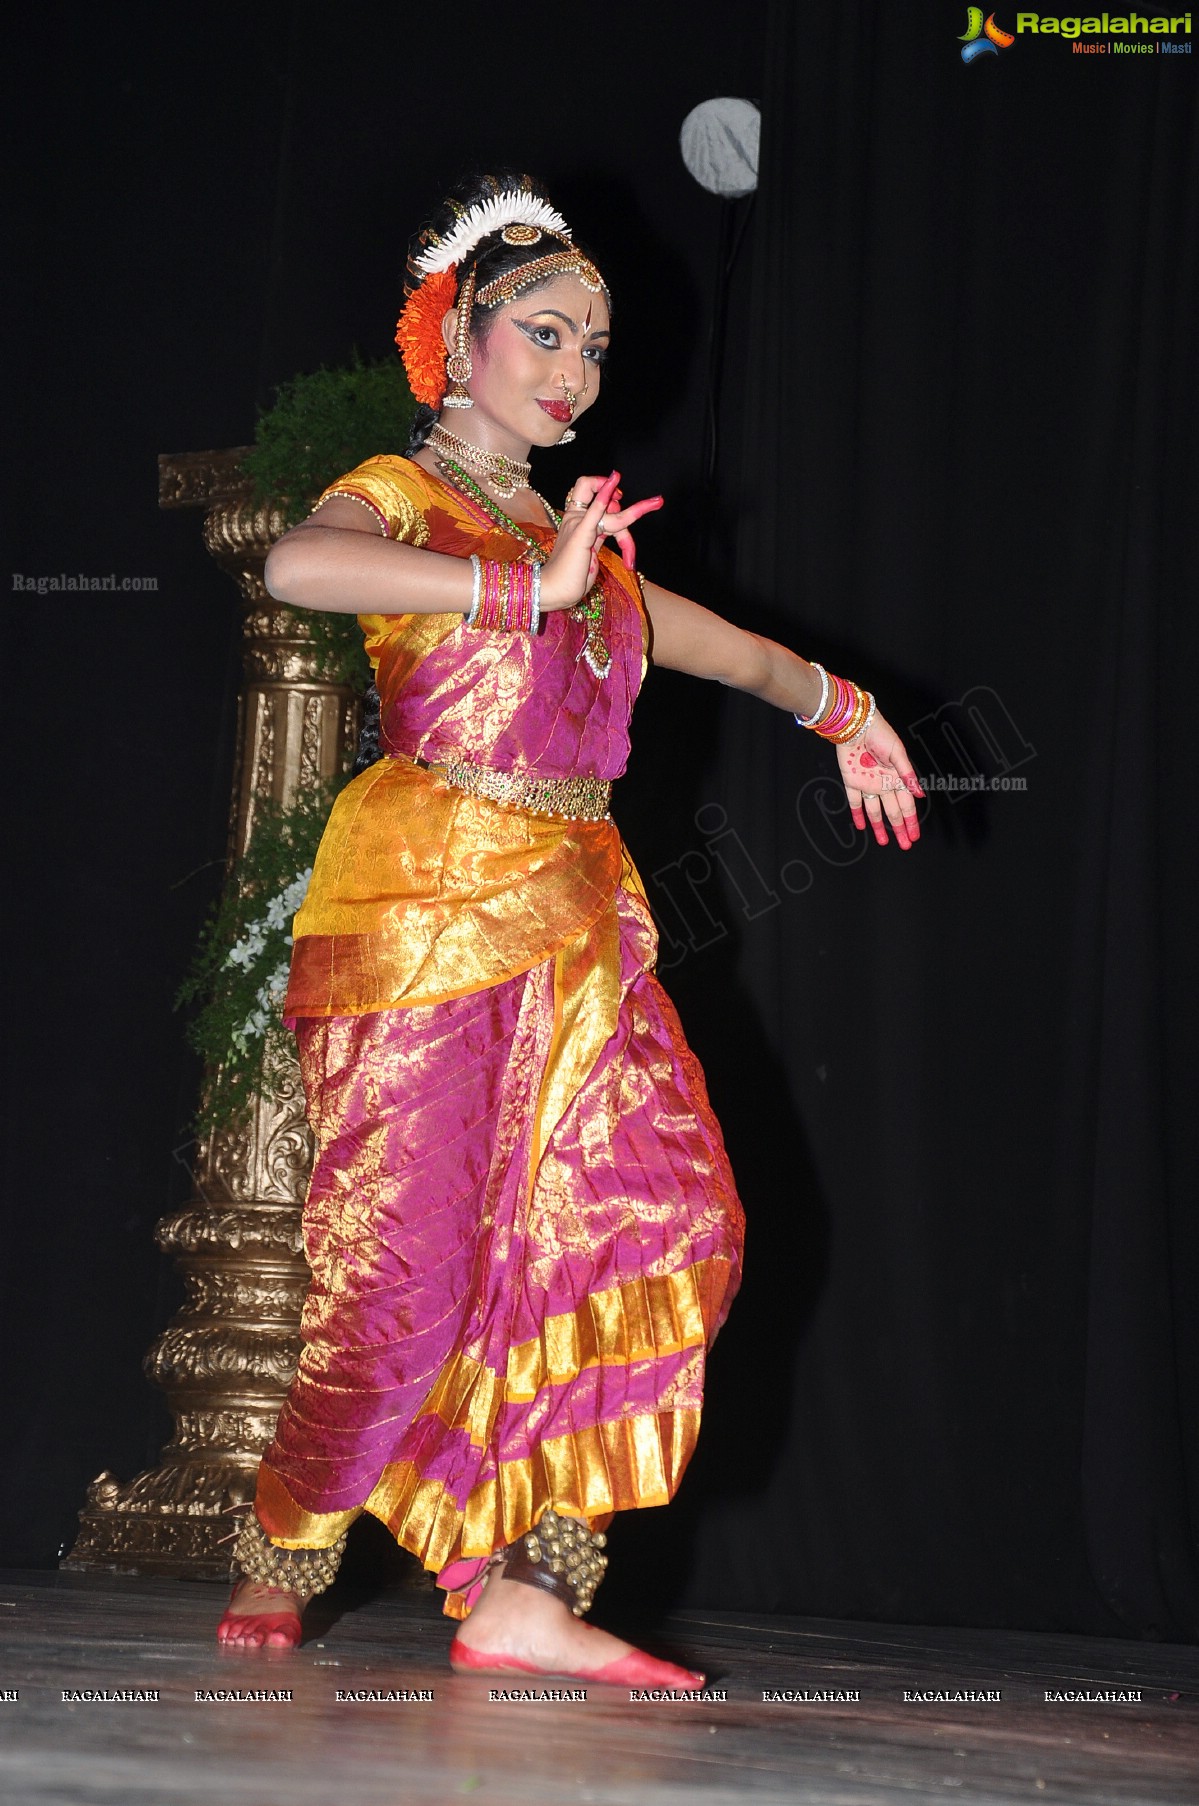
x: 458, y: 364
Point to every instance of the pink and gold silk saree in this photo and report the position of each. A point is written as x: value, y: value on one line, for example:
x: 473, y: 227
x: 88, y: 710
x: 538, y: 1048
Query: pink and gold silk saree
x: 522, y: 1226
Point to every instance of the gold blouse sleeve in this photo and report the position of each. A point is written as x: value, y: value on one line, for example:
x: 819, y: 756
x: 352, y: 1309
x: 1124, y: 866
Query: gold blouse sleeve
x: 395, y: 491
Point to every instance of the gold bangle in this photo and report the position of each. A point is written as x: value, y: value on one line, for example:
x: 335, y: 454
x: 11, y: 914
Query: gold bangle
x: 871, y: 707
x: 853, y: 725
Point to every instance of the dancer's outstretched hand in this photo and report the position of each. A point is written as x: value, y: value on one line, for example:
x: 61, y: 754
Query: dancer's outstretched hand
x: 880, y: 784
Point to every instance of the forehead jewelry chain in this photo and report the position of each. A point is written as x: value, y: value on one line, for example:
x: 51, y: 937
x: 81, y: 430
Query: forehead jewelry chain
x: 507, y: 476
x: 590, y: 611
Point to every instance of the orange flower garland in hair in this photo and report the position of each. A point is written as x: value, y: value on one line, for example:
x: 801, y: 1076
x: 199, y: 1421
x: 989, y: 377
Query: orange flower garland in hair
x: 418, y: 335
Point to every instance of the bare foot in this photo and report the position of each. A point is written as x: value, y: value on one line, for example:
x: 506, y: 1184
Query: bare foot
x: 519, y: 1627
x: 259, y: 1616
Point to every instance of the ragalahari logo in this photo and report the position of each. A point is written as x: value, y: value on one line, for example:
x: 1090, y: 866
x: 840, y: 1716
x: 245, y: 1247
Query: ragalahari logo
x: 983, y: 37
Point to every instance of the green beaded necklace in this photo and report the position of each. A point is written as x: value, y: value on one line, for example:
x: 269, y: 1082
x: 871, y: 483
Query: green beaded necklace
x: 590, y: 611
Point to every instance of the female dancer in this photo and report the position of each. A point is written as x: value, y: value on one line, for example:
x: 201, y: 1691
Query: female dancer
x: 522, y: 1226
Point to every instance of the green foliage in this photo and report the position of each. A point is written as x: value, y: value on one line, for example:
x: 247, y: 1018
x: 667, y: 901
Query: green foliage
x: 318, y: 427
x: 323, y: 424
x: 339, y: 646
x: 239, y: 971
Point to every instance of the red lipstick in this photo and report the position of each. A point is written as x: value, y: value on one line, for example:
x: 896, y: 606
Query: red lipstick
x: 557, y: 410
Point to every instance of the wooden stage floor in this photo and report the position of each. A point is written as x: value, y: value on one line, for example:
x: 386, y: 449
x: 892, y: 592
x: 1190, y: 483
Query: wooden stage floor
x: 76, y: 1633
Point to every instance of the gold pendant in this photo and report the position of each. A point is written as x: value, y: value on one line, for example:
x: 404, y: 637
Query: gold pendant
x: 595, y: 654
x: 594, y: 649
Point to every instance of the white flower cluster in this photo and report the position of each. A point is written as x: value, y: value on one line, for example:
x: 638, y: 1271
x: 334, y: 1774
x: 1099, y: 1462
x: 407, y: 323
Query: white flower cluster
x: 514, y: 207
x: 270, y: 995
x: 279, y: 910
x: 249, y: 950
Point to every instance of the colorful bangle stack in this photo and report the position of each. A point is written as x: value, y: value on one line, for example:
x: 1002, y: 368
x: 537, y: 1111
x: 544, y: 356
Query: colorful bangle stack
x: 849, y: 713
x: 506, y: 598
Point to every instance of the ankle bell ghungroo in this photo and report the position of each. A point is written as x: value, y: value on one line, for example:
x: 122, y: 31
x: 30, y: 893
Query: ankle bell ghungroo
x: 561, y: 1556
x: 304, y: 1572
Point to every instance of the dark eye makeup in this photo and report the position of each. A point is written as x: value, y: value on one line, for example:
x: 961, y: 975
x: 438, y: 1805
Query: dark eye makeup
x: 548, y: 339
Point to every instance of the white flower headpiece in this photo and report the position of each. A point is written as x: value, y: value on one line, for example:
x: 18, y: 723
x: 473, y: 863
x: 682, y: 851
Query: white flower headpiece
x: 512, y: 208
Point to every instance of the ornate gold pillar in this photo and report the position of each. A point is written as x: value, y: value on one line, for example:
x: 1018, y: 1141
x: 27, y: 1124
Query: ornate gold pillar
x: 227, y: 1357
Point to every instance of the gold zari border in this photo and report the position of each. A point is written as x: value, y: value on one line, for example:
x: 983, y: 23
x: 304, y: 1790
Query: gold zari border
x: 593, y: 1472
x: 590, y: 1473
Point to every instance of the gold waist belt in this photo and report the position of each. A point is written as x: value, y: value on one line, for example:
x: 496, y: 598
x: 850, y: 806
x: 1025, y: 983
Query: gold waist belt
x: 578, y: 799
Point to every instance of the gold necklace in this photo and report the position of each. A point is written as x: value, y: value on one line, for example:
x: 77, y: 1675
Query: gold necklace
x: 507, y: 476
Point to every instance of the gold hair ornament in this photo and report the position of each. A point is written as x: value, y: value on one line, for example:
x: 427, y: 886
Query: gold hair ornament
x: 559, y: 263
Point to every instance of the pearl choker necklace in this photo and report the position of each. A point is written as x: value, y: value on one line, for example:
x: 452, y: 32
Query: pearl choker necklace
x: 505, y: 475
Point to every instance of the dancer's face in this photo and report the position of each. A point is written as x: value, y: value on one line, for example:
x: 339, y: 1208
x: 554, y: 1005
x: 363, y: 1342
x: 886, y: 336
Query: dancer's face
x: 541, y: 350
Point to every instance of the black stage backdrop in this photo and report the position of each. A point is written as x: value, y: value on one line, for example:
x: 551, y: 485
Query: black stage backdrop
x: 956, y: 461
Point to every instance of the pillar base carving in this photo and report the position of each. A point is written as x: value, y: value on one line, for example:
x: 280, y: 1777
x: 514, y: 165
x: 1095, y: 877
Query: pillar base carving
x: 174, y: 1522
